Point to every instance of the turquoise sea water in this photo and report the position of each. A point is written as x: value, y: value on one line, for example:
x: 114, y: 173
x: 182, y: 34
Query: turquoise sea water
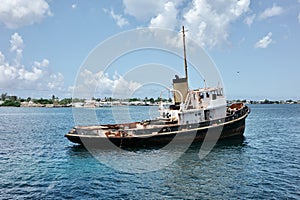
x: 38, y: 162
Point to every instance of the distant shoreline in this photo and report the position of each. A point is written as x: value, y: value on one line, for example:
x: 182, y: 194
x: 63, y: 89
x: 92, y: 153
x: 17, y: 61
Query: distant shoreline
x: 122, y: 105
x: 55, y: 102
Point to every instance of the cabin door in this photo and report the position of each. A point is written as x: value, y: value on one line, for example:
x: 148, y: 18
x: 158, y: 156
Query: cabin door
x: 206, y: 114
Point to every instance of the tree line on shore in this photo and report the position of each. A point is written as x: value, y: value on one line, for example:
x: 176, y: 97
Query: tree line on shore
x: 266, y: 101
x: 15, y: 101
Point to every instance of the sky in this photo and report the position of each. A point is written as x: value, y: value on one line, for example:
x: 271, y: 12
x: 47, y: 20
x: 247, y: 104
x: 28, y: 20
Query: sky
x: 254, y: 44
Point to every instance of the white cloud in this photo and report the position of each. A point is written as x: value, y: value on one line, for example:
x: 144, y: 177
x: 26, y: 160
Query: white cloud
x: 74, y: 6
x: 119, y: 19
x: 264, y: 42
x: 14, y: 75
x: 271, y: 12
x: 143, y: 10
x: 18, y: 13
x: 103, y: 85
x: 206, y: 21
x: 299, y: 18
x: 17, y: 45
x: 2, y: 58
x: 249, y: 20
x: 209, y: 21
x: 167, y: 18
x: 16, y: 42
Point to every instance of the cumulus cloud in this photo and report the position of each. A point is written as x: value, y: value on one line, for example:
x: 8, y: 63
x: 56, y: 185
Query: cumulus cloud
x: 16, y: 45
x: 167, y: 18
x: 16, y: 42
x: 119, y: 19
x: 264, y: 42
x: 143, y: 10
x: 209, y: 21
x: 206, y: 21
x: 14, y: 75
x: 249, y: 20
x: 18, y: 13
x: 102, y: 84
x: 271, y: 12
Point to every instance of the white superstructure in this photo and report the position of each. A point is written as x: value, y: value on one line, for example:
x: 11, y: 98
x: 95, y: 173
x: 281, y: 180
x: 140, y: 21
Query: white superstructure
x: 194, y: 106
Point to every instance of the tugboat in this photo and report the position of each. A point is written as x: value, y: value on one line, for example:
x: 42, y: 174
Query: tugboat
x: 193, y: 116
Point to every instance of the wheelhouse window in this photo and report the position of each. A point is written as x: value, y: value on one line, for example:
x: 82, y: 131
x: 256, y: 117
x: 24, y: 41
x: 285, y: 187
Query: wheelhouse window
x: 220, y: 92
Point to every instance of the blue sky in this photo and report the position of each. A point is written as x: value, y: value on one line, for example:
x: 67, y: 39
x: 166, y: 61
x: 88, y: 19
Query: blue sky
x: 254, y: 44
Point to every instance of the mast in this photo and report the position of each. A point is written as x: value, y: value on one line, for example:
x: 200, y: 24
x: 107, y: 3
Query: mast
x: 184, y: 54
x: 180, y: 85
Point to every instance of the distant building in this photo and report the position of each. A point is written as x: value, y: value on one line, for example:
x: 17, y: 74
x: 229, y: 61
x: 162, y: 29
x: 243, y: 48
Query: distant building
x: 78, y: 104
x: 89, y: 103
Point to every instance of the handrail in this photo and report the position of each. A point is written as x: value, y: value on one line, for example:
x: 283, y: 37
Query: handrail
x: 187, y: 100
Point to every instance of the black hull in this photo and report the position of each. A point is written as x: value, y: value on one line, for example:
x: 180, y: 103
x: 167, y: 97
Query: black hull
x: 227, y: 130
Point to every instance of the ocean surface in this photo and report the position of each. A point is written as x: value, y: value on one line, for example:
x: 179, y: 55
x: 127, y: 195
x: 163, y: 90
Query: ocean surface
x: 38, y: 162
